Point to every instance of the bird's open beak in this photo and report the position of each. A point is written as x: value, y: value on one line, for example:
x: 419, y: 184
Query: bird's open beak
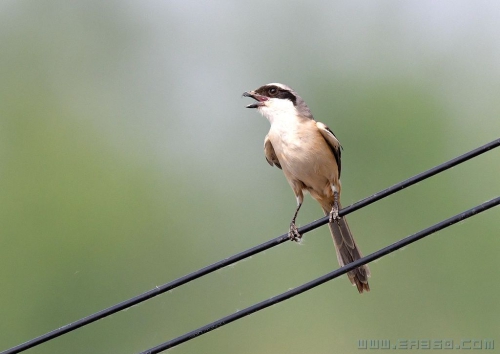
x: 257, y: 97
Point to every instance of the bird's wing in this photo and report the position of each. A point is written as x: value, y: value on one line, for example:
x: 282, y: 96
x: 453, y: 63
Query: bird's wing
x: 332, y: 141
x: 271, y: 157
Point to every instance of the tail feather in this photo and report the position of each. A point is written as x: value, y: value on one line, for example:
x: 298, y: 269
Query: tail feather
x: 348, y: 251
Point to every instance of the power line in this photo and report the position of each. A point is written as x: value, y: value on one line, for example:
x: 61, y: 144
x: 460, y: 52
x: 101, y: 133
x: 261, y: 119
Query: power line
x: 250, y: 252
x: 327, y: 277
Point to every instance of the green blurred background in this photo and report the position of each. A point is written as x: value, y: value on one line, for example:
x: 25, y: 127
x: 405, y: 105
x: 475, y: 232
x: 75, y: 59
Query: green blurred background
x: 127, y: 159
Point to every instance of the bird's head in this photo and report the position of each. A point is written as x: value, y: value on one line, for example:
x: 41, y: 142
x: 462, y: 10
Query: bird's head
x: 278, y: 99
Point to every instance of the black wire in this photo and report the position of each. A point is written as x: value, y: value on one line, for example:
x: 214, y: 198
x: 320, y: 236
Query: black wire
x: 250, y: 252
x: 327, y: 277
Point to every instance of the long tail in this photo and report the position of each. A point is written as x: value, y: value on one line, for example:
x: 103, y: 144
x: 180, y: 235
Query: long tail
x: 348, y: 251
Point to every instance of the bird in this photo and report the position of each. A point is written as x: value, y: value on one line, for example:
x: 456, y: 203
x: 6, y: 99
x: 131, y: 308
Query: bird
x: 309, y: 154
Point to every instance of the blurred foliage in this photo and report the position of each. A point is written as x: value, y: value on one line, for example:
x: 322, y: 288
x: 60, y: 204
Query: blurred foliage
x: 127, y: 159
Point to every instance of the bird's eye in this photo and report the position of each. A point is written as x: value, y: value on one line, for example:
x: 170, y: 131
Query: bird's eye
x: 273, y: 91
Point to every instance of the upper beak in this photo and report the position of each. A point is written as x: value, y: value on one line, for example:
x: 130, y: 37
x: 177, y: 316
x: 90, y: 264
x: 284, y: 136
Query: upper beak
x: 256, y: 97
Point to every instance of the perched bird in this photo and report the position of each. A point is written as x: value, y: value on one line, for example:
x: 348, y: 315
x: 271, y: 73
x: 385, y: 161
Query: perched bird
x: 309, y: 155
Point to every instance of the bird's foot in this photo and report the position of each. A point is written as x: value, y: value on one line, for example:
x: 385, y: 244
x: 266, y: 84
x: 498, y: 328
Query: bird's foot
x: 334, y: 214
x: 294, y: 234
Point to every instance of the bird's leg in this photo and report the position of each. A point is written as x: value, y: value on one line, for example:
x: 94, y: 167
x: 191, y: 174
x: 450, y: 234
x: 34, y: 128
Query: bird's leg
x: 294, y: 234
x: 334, y: 214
